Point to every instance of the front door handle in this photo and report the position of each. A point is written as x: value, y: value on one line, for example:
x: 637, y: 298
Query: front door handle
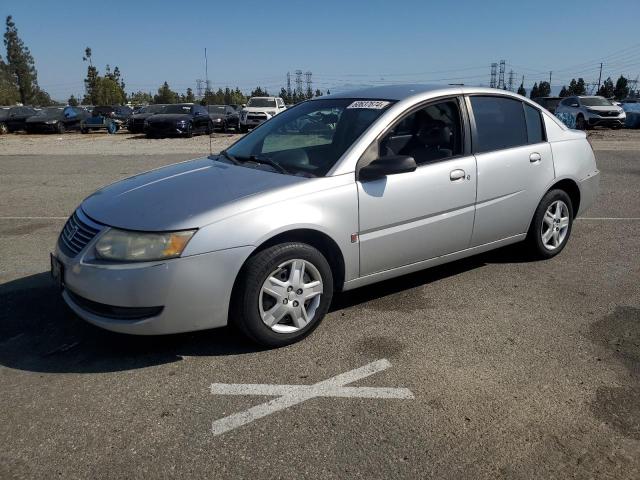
x: 535, y: 157
x: 456, y: 175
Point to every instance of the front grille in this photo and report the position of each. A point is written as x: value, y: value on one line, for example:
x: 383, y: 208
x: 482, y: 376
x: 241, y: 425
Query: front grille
x: 257, y: 116
x: 75, y: 235
x: 608, y: 114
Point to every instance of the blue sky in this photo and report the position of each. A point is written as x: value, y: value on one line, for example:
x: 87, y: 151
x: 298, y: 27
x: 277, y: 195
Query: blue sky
x: 344, y: 43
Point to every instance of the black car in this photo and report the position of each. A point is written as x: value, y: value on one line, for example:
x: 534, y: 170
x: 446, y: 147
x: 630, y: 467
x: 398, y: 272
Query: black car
x: 550, y: 103
x: 136, y: 121
x: 56, y: 119
x: 179, y: 119
x: 13, y: 119
x: 224, y: 117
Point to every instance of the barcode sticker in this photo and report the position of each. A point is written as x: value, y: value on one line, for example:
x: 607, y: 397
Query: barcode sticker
x: 372, y: 104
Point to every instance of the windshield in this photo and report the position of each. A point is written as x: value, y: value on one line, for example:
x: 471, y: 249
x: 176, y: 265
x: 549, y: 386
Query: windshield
x: 49, y: 111
x: 261, y: 102
x: 309, y: 138
x: 595, y: 102
x: 177, y: 109
x: 215, y: 109
x: 152, y: 109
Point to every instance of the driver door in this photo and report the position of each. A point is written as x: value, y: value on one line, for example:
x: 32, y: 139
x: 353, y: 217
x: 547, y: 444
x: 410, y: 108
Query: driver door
x: 415, y: 216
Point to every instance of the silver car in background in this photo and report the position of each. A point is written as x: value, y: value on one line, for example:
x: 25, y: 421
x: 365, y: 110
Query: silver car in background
x: 333, y: 194
x: 592, y: 111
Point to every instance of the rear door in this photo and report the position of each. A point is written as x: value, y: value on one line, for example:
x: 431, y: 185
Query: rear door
x: 415, y: 216
x: 515, y: 166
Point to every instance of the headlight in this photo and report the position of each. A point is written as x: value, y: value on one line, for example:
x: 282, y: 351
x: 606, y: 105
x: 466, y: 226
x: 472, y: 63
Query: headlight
x: 121, y: 246
x: 272, y: 113
x: 181, y: 122
x: 51, y: 122
x: 218, y: 120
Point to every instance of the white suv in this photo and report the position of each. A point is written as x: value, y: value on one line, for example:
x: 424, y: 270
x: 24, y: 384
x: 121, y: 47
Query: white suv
x: 258, y: 110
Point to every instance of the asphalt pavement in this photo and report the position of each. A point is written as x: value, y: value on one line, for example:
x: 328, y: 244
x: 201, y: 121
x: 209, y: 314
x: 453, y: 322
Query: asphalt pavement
x: 492, y: 367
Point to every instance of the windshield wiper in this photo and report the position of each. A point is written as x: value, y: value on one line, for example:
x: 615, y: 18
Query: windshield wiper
x: 272, y: 163
x: 228, y: 156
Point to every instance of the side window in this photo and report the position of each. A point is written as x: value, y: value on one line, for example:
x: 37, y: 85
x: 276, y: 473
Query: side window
x: 428, y: 135
x: 500, y: 123
x: 535, y: 128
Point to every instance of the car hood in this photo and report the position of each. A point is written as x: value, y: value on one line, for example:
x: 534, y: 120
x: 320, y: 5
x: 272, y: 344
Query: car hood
x: 259, y: 109
x: 179, y: 196
x: 159, y: 117
x: 604, y: 108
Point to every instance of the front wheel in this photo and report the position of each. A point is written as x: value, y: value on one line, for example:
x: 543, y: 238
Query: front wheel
x: 282, y: 294
x: 3, y: 128
x: 551, y: 225
x: 188, y: 133
x: 60, y: 127
x: 580, y: 123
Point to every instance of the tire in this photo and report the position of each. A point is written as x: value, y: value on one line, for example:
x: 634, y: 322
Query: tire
x: 250, y: 303
x: 580, y: 123
x: 541, y: 243
x: 84, y: 130
x: 60, y: 128
x: 210, y: 129
x: 3, y: 129
x: 189, y: 132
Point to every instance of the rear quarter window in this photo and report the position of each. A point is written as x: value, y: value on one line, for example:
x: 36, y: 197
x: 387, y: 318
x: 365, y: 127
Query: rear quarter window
x: 500, y: 123
x: 535, y: 127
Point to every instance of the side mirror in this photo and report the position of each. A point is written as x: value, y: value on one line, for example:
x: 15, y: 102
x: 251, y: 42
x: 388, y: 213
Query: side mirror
x: 383, y: 166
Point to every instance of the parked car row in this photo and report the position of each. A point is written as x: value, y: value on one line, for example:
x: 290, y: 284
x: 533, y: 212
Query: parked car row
x: 587, y: 111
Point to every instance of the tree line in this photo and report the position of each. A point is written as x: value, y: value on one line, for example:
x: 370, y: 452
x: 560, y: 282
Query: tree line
x: 18, y: 75
x: 619, y: 91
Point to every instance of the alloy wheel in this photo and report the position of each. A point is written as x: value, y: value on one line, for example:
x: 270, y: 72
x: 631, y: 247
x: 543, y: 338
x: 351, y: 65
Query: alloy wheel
x: 290, y: 296
x: 555, y: 225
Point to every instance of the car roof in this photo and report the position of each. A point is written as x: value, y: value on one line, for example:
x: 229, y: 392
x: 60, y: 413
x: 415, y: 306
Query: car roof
x: 403, y: 92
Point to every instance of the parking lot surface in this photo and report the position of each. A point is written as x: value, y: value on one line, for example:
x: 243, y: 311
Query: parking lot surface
x: 501, y: 367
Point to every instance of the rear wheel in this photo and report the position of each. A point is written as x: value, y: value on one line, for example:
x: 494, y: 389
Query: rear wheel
x: 551, y: 225
x: 3, y: 128
x: 581, y: 124
x: 60, y: 127
x: 282, y: 294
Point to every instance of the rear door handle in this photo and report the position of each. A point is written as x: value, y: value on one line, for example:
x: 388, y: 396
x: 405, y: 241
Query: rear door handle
x: 535, y: 157
x: 456, y: 175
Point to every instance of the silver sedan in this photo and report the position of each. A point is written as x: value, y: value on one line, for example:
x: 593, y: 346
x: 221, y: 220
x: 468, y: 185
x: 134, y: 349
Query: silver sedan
x: 333, y: 194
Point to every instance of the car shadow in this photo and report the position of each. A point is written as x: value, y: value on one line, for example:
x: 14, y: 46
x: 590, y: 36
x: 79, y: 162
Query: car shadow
x: 39, y: 333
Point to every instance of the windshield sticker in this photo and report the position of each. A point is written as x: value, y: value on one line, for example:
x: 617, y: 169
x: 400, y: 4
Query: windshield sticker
x: 372, y: 104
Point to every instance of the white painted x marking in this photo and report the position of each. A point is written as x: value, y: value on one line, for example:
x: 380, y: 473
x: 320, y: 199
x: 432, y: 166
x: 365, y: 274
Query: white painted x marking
x: 290, y: 395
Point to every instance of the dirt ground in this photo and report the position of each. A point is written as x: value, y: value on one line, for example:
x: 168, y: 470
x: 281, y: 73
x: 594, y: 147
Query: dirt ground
x: 125, y: 143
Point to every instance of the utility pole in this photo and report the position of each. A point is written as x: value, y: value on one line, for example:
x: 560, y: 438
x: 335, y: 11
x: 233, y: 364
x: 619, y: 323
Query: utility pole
x: 206, y: 73
x: 600, y: 76
x: 298, y: 82
x: 501, y: 74
x: 492, y: 81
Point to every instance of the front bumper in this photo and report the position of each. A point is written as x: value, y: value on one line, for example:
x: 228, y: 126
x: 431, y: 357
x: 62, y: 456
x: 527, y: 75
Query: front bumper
x: 151, y: 298
x: 173, y: 129
x: 598, y: 121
